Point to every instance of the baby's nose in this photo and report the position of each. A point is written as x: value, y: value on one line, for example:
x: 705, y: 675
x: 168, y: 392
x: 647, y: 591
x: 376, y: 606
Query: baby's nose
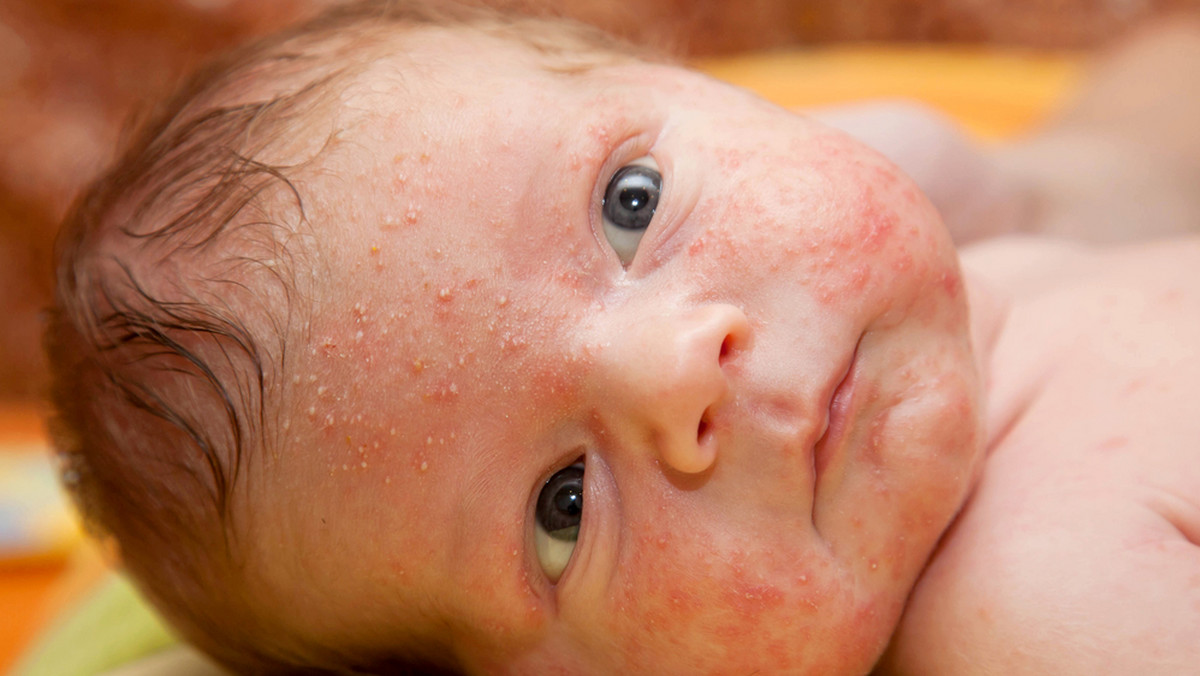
x: 668, y: 377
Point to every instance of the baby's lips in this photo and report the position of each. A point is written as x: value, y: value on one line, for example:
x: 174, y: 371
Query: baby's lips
x: 839, y: 413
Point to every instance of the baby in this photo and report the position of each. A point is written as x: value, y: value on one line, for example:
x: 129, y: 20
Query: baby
x: 427, y: 339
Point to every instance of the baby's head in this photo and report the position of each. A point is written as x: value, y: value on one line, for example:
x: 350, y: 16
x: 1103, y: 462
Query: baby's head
x: 452, y: 339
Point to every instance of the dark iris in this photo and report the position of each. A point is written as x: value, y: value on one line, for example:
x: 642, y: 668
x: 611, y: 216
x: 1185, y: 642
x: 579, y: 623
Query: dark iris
x: 560, y: 504
x: 632, y: 196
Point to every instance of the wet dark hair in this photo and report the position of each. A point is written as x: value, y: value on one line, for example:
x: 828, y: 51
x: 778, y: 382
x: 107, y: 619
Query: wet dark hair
x: 183, y: 275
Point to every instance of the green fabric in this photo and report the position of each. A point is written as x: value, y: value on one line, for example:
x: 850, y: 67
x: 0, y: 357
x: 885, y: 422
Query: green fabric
x: 112, y: 627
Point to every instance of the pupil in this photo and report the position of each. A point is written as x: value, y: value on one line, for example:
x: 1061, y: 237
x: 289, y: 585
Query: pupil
x: 569, y: 501
x: 634, y: 198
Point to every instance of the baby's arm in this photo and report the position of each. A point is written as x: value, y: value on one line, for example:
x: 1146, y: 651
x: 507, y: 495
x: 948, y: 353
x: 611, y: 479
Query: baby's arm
x: 1120, y: 162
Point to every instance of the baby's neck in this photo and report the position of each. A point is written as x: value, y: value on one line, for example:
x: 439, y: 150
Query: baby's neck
x: 989, y: 308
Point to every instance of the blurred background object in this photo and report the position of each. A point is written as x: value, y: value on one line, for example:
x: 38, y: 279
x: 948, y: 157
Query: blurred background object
x: 719, y: 27
x: 71, y: 73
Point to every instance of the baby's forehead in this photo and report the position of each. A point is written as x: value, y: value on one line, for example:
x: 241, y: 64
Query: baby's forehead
x: 422, y: 73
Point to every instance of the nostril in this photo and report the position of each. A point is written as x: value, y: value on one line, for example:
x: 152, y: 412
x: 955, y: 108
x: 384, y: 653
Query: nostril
x: 701, y: 430
x: 726, y: 347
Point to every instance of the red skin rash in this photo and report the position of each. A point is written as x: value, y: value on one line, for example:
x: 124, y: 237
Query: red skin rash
x: 481, y: 334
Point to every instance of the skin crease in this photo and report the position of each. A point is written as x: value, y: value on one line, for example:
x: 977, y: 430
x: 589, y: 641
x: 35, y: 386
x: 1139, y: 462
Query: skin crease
x: 477, y: 334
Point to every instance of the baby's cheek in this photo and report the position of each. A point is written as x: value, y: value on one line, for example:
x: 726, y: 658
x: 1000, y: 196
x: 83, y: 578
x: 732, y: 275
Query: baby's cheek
x: 845, y: 227
x: 703, y: 602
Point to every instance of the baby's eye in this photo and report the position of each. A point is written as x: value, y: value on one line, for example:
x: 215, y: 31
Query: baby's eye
x: 629, y: 203
x: 559, y: 509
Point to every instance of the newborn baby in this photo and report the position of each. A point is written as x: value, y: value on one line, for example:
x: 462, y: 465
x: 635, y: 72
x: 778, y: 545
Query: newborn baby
x: 422, y: 340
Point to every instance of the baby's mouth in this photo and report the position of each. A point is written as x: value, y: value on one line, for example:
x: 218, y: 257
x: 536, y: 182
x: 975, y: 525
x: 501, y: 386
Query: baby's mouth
x: 839, y: 412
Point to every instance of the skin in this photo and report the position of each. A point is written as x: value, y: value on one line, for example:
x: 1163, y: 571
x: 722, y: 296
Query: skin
x: 776, y: 400
x: 1076, y: 553
x: 1086, y: 523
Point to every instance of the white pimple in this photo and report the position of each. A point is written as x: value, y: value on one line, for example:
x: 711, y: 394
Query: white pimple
x: 312, y: 411
x: 364, y: 464
x: 424, y: 465
x: 312, y: 379
x: 358, y: 337
x: 322, y: 390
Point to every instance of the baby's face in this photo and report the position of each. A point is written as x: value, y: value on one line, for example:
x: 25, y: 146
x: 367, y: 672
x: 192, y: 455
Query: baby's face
x: 760, y: 409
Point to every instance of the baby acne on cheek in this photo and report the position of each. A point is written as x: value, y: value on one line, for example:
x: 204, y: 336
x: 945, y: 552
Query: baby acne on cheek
x: 882, y: 240
x: 825, y: 213
x: 719, y: 604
